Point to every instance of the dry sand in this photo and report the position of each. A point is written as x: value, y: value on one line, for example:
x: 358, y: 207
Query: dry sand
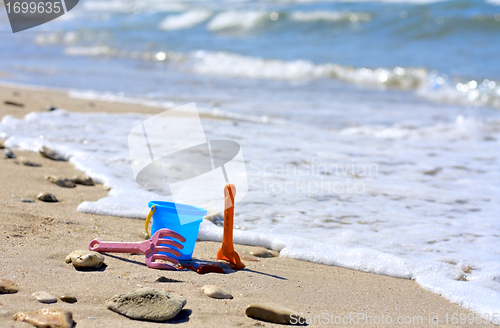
x: 36, y: 237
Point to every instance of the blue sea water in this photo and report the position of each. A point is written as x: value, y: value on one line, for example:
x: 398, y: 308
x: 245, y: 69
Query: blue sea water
x: 410, y: 87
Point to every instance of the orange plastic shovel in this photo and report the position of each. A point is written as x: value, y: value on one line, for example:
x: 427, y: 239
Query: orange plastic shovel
x: 226, y: 252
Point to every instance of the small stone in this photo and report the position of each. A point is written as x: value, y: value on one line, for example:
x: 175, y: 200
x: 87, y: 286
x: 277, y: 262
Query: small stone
x: 44, y: 297
x: 433, y: 171
x: 47, y: 197
x: 83, y: 259
x: 247, y: 256
x: 26, y: 200
x: 9, y: 153
x: 263, y: 252
x: 28, y: 162
x: 68, y: 298
x: 8, y: 286
x: 65, y: 183
x: 214, y: 291
x: 165, y: 279
x: 51, y: 108
x: 51, y: 154
x: 13, y: 103
x: 147, y: 304
x: 85, y: 180
x: 270, y: 312
x: 47, y: 318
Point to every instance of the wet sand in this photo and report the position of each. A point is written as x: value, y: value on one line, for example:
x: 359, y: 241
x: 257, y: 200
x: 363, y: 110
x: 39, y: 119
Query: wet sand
x: 36, y: 238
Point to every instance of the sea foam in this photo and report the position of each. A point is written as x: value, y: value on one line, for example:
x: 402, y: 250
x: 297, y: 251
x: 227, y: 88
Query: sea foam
x: 185, y: 20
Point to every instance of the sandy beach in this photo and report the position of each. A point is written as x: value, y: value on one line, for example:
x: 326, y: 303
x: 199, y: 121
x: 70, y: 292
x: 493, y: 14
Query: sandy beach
x: 37, y: 236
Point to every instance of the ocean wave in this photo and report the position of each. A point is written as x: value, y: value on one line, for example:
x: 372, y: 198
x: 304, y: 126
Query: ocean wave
x: 428, y: 84
x: 185, y: 20
x: 233, y: 65
x: 364, y: 1
x: 56, y: 38
x: 329, y: 16
x: 134, y: 6
x: 482, y: 93
x: 90, y: 51
x: 494, y: 2
x: 238, y: 20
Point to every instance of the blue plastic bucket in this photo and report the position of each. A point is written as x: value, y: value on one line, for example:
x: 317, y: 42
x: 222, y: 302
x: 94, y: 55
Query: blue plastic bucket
x: 171, y: 215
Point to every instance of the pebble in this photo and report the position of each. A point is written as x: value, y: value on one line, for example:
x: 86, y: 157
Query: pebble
x: 49, y: 153
x: 9, y: 153
x: 13, y: 103
x: 27, y: 200
x: 433, y: 171
x: 27, y: 162
x: 68, y: 298
x: 44, y: 297
x: 50, y: 108
x: 248, y: 257
x: 214, y: 291
x: 47, y: 318
x: 263, y: 252
x: 8, y: 286
x: 165, y: 279
x: 65, y: 183
x: 85, y: 180
x: 270, y: 312
x: 47, y: 197
x: 83, y: 259
x: 147, y: 304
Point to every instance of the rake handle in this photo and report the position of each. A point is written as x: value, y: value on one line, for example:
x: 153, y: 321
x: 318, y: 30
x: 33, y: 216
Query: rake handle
x: 143, y: 247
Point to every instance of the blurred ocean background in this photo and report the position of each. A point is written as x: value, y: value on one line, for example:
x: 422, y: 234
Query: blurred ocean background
x: 411, y: 88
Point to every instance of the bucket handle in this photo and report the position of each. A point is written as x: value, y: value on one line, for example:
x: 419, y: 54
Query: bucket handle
x: 148, y: 219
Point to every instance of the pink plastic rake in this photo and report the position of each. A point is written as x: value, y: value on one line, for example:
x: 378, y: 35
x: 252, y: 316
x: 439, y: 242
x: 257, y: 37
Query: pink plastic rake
x: 150, y: 248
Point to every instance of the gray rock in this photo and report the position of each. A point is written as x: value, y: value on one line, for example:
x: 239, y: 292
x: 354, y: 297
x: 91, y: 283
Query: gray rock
x: 214, y: 291
x: 83, y: 259
x: 433, y: 171
x: 147, y: 304
x: 13, y: 103
x: 68, y: 298
x: 27, y: 200
x: 85, y: 180
x: 27, y: 162
x: 51, y: 154
x: 47, y: 197
x: 8, y: 286
x: 263, y: 252
x: 9, y: 153
x: 65, y: 183
x: 47, y: 318
x: 44, y: 297
x: 270, y: 312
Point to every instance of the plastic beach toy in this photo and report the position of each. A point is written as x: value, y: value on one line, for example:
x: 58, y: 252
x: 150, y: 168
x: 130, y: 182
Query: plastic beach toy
x: 227, y: 252
x: 181, y: 218
x: 150, y: 248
